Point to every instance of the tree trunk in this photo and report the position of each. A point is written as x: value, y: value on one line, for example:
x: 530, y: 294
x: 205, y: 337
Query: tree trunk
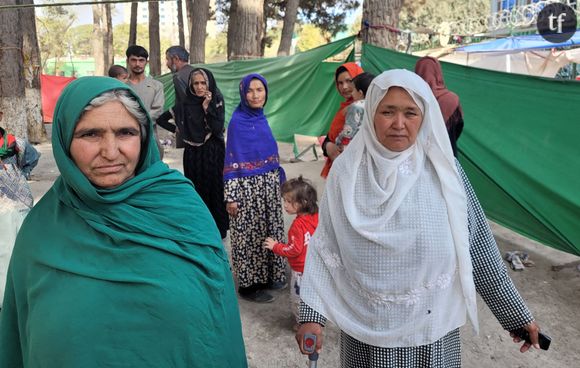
x: 189, y: 10
x: 381, y: 13
x: 180, y: 24
x: 133, y: 24
x: 264, y: 40
x: 102, y: 38
x: 32, y: 64
x: 197, y: 35
x: 288, y: 29
x: 245, y: 29
x: 108, y: 38
x: 154, y: 41
x: 12, y: 93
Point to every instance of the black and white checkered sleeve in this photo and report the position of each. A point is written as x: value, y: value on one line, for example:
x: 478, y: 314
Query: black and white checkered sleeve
x: 308, y: 314
x: 490, y: 275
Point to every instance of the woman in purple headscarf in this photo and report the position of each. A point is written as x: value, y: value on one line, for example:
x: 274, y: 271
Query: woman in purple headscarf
x: 252, y: 175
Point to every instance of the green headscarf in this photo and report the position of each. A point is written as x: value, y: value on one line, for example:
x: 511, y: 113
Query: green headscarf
x: 133, y: 276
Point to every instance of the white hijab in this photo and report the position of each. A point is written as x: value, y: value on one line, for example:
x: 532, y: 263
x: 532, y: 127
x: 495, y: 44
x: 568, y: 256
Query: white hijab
x: 389, y: 262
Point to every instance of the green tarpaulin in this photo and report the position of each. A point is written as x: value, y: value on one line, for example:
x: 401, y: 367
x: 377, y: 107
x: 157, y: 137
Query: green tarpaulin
x: 301, y: 98
x: 520, y: 146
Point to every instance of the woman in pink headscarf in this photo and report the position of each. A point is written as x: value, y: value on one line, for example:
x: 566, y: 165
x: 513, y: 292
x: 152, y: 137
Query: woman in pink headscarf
x: 429, y: 69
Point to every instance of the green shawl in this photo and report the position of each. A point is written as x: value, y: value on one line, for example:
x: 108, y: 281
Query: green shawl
x: 134, y: 276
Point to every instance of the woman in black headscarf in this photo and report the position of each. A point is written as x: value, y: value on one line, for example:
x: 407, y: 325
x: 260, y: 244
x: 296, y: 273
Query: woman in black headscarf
x: 202, y: 132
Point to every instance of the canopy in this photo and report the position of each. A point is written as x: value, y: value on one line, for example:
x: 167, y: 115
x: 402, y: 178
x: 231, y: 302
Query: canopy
x: 518, y: 43
x: 519, y: 146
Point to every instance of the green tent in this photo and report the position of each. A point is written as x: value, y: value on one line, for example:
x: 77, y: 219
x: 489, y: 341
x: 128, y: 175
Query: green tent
x: 302, y: 98
x: 519, y: 146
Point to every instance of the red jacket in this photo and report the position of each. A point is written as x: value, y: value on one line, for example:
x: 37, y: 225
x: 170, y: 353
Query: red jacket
x: 299, y: 235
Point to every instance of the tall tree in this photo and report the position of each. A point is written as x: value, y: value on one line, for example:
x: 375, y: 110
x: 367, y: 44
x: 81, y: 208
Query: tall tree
x: 52, y: 28
x: 102, y: 38
x: 12, y: 93
x: 328, y: 15
x: 245, y: 29
x: 381, y: 13
x: 32, y: 69
x: 133, y: 24
x: 180, y: 23
x: 197, y: 34
x: 189, y: 9
x: 290, y: 15
x: 154, y: 41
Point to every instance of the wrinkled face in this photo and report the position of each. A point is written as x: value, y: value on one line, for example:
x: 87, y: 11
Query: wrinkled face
x: 199, y: 85
x: 345, y: 85
x: 106, y: 145
x: 397, y: 120
x: 136, y: 64
x: 290, y: 206
x: 256, y: 95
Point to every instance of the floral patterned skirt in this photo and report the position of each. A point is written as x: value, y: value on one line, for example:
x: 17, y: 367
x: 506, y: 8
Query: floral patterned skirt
x: 259, y: 216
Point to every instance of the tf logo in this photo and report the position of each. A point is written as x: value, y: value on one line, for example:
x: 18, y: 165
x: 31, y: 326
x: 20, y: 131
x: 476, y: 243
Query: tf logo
x: 557, y: 22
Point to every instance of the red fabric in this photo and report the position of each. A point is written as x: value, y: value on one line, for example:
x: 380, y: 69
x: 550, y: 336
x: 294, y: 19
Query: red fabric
x: 51, y: 87
x: 299, y: 235
x: 430, y: 70
x: 11, y: 147
x: 339, y: 118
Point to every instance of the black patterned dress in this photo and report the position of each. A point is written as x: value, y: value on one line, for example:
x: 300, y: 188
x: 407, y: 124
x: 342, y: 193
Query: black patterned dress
x: 492, y: 282
x: 259, y: 216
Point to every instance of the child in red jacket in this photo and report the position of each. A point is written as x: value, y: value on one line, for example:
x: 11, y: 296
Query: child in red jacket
x: 300, y: 200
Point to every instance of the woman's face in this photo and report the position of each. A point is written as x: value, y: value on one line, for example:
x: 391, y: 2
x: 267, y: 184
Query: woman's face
x: 397, y: 120
x: 106, y: 145
x: 344, y: 85
x: 199, y: 85
x: 256, y: 95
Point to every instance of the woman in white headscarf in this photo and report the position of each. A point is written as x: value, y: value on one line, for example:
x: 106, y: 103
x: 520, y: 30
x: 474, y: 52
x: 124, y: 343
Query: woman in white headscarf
x: 402, y: 243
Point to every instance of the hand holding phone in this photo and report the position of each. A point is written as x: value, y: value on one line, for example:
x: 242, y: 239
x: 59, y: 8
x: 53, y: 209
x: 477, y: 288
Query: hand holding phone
x: 543, y: 339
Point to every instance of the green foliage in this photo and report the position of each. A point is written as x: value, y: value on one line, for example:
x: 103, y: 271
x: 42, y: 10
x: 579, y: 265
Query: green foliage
x: 309, y: 37
x: 52, y: 30
x: 442, y: 16
x: 121, y: 38
x: 328, y: 15
x: 80, y: 39
x: 216, y: 48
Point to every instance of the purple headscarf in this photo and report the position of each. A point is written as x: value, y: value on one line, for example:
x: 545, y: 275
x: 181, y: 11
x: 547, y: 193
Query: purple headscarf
x: 251, y: 148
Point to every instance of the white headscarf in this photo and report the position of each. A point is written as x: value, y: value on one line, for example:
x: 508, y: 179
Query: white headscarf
x: 389, y: 262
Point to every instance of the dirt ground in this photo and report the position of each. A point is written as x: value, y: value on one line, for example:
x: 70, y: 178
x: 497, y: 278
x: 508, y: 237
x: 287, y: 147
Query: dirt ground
x: 553, y: 297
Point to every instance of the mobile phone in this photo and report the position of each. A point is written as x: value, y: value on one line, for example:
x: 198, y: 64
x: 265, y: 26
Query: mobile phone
x: 543, y: 339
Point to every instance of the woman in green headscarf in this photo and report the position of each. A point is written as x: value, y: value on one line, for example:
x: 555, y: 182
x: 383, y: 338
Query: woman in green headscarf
x: 120, y: 264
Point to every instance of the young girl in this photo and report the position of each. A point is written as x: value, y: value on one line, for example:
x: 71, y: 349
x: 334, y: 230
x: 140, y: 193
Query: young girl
x: 354, y: 112
x: 300, y: 200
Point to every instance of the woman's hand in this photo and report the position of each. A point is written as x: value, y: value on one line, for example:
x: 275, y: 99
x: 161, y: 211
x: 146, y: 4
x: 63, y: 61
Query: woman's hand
x: 312, y: 328
x: 269, y: 243
x: 232, y: 208
x: 332, y: 150
x: 206, y: 101
x: 533, y: 330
